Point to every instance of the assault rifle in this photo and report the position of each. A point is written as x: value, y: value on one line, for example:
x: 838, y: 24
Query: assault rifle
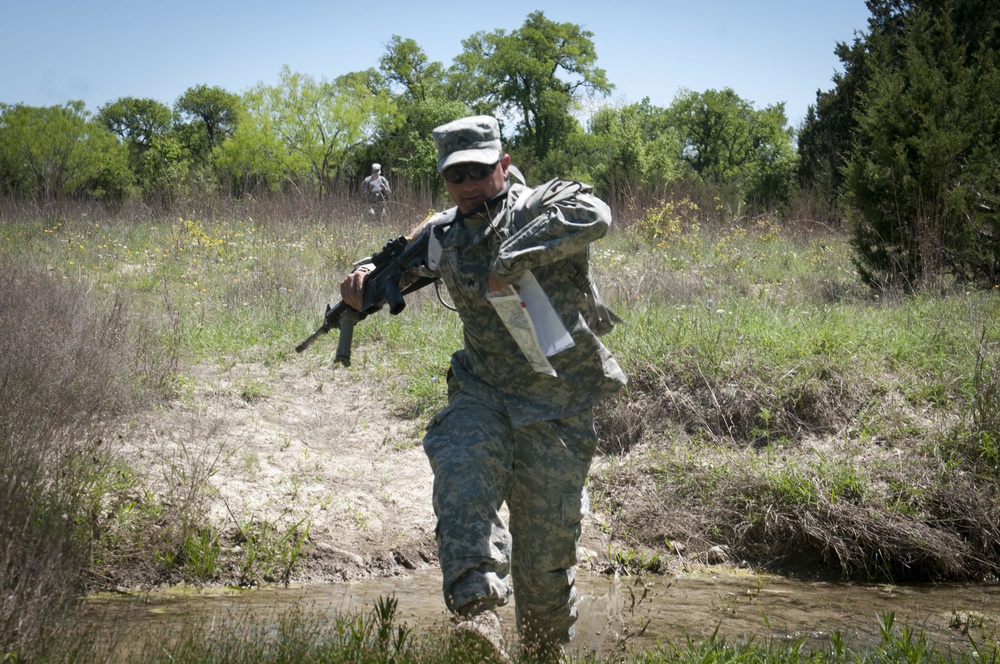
x: 381, y: 288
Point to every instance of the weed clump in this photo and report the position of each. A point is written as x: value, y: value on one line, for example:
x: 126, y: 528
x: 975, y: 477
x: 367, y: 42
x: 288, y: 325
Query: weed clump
x: 68, y: 370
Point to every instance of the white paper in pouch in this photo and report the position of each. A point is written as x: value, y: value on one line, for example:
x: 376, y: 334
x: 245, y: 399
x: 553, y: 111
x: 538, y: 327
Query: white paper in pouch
x: 552, y: 334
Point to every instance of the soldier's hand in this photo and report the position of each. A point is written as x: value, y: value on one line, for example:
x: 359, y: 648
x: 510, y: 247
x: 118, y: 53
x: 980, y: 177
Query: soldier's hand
x: 352, y: 289
x: 496, y: 283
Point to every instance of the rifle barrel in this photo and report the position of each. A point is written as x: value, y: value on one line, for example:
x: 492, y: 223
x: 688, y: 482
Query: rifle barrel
x: 312, y: 337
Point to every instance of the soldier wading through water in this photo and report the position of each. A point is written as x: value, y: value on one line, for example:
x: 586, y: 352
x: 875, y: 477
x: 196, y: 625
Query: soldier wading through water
x: 510, y: 433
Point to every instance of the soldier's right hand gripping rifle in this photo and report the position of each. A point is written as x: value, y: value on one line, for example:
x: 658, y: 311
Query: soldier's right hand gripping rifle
x: 381, y: 287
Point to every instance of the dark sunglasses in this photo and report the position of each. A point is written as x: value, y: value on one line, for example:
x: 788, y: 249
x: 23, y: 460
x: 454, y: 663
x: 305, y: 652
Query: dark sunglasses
x: 456, y: 174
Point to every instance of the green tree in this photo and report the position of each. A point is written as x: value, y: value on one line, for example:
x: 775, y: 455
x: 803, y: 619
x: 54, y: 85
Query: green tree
x: 204, y: 117
x: 254, y: 159
x: 537, y: 73
x: 406, y: 65
x: 136, y: 121
x: 301, y: 131
x: 663, y: 147
x: 729, y: 143
x: 627, y: 152
x: 717, y: 127
x: 771, y: 174
x: 58, y: 151
x: 407, y: 146
x: 825, y: 135
x: 145, y: 128
x: 618, y: 171
x: 638, y: 148
x: 163, y: 169
x: 404, y: 145
x: 922, y: 183
x: 825, y: 138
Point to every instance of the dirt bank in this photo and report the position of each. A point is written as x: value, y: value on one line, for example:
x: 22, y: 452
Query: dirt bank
x: 300, y: 443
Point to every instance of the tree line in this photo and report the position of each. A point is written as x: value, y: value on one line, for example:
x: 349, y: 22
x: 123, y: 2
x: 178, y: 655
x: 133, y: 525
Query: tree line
x: 903, y: 148
x: 317, y: 135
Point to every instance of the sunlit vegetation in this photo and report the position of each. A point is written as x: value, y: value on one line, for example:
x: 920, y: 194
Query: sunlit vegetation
x: 811, y: 332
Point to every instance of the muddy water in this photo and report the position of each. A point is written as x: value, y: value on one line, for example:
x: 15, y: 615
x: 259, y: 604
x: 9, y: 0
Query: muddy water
x: 739, y: 605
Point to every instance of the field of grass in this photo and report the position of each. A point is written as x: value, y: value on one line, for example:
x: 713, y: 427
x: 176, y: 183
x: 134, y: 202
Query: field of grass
x: 777, y: 410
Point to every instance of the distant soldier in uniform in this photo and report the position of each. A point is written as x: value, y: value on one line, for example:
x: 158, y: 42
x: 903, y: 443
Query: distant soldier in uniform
x: 377, y: 189
x: 509, y: 433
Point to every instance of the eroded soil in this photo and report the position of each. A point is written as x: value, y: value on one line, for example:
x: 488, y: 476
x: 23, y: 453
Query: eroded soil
x: 300, y: 443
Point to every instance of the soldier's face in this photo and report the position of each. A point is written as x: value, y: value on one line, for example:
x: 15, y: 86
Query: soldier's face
x: 470, y: 194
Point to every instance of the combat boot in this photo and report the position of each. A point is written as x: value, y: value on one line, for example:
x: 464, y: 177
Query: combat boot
x: 480, y: 639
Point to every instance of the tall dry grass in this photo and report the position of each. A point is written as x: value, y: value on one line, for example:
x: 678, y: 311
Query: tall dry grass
x: 68, y: 371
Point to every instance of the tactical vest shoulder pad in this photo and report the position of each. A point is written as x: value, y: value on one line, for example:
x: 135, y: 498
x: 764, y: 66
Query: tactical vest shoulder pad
x: 530, y: 204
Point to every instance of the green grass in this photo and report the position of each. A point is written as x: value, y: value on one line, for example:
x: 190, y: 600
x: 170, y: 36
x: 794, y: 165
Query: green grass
x: 756, y: 306
x: 775, y: 405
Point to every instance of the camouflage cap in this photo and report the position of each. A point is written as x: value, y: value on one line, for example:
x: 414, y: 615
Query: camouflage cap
x: 474, y: 139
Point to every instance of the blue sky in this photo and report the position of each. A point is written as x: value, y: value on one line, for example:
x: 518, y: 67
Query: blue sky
x: 768, y: 51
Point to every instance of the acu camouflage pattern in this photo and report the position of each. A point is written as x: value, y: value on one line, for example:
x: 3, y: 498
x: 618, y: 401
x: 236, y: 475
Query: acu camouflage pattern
x: 540, y: 470
x: 474, y: 139
x: 549, y: 232
x: 510, y: 434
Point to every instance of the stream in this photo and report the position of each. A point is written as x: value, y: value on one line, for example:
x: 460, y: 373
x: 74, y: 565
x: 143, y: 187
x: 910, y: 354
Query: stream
x: 737, y: 604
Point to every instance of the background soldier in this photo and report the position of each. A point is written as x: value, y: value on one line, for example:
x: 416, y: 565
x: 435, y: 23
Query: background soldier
x: 377, y: 189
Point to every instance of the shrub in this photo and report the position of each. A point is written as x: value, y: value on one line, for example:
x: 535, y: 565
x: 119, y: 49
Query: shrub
x: 67, y: 370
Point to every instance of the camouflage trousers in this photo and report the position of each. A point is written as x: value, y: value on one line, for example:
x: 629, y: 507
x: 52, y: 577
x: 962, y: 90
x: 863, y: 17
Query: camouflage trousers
x: 377, y: 205
x: 480, y: 462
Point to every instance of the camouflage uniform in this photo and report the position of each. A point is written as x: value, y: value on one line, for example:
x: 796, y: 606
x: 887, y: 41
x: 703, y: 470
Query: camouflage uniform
x: 377, y: 188
x: 510, y: 434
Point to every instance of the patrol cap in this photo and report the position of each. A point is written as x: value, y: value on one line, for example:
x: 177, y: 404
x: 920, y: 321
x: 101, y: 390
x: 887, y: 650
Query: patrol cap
x: 475, y: 139
x: 376, y: 168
